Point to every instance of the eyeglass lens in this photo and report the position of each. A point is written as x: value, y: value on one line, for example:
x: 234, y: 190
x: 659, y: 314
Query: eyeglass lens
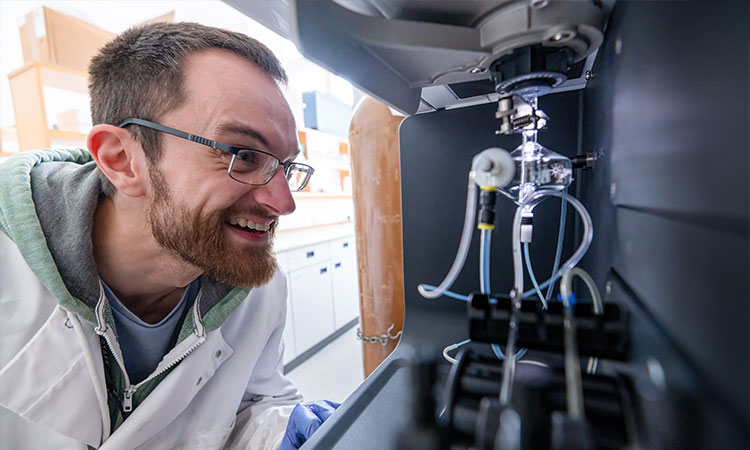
x: 257, y: 168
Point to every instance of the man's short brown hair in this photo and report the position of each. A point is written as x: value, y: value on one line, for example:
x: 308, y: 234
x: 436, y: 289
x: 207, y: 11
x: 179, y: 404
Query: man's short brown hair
x: 139, y: 74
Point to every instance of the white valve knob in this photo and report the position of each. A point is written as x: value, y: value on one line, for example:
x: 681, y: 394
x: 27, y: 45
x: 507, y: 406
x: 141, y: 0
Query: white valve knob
x: 493, y: 167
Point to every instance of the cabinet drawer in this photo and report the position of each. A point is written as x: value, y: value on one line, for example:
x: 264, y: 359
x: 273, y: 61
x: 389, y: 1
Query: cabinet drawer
x: 342, y: 246
x: 305, y: 256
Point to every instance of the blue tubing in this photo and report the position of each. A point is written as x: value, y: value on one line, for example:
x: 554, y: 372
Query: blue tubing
x: 560, y: 239
x: 531, y: 275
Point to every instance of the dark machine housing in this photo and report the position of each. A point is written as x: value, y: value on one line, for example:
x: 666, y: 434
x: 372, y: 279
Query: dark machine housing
x: 656, y: 93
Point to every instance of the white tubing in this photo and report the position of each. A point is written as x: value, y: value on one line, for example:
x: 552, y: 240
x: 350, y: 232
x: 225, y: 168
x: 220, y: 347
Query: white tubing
x: 573, y: 387
x: 463, y: 246
x: 530, y: 202
x: 588, y: 234
x: 566, y: 287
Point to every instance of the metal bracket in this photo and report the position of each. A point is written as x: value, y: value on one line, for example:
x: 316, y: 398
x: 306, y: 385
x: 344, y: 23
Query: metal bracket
x: 516, y: 114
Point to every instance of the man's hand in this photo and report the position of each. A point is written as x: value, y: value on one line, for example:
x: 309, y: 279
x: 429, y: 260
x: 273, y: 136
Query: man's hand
x: 304, y: 420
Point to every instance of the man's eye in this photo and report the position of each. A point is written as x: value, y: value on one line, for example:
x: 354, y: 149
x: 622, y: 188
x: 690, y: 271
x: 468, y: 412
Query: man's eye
x: 249, y: 161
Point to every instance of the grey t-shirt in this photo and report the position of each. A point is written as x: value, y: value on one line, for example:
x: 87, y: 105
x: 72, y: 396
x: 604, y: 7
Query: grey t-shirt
x: 143, y: 345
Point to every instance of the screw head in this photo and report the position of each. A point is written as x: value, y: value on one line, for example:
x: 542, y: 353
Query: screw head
x: 588, y: 75
x: 563, y: 36
x: 477, y: 70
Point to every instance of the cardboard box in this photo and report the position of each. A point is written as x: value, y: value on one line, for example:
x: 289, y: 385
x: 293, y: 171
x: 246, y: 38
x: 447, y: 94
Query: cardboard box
x: 53, y: 37
x: 56, y: 38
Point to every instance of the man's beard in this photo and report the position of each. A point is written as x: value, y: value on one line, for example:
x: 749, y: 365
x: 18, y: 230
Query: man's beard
x: 201, y: 240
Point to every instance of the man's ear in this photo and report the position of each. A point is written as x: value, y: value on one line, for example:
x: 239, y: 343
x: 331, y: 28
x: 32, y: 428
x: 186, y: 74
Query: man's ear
x: 120, y: 158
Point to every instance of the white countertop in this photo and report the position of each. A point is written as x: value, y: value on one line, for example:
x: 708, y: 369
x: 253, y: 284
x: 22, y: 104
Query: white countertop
x: 300, y: 237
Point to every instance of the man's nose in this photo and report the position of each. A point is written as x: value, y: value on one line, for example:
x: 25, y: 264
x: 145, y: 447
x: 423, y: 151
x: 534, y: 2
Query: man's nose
x: 275, y: 195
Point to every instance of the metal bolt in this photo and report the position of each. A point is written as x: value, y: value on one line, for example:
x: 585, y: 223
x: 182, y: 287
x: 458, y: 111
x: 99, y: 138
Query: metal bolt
x: 588, y: 75
x: 563, y: 36
x: 478, y: 70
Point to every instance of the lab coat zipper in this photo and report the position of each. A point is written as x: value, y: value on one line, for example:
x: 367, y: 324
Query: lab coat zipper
x: 187, y: 346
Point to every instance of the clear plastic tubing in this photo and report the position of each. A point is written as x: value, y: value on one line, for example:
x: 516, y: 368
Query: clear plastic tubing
x: 463, y: 246
x: 560, y: 239
x: 530, y: 269
x: 588, y: 234
x: 567, y: 282
x: 573, y: 388
x: 566, y: 289
x: 529, y: 203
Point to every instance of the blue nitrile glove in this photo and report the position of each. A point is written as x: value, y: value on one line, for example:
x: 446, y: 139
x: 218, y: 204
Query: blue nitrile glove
x: 304, y: 420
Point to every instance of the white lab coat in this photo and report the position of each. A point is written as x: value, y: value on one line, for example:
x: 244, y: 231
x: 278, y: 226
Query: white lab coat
x: 228, y: 393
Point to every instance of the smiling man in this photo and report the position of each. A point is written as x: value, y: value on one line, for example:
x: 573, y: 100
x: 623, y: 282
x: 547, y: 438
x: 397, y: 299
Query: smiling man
x: 140, y: 302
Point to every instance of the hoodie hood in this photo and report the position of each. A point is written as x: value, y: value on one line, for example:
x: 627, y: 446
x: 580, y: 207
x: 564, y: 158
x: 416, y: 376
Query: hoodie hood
x: 47, y: 204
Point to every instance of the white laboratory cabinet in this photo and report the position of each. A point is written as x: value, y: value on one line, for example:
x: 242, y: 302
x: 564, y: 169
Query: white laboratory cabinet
x: 344, y: 280
x: 323, y: 292
x: 312, y: 303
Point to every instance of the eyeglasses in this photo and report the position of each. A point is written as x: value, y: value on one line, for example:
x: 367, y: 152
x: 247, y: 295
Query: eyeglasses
x: 248, y: 166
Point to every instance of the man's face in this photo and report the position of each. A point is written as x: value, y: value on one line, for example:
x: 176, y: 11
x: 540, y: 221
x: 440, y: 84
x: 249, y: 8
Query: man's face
x: 197, y: 212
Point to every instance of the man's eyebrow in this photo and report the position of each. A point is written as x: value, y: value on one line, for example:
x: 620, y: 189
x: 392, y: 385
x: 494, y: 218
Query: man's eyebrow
x: 242, y: 129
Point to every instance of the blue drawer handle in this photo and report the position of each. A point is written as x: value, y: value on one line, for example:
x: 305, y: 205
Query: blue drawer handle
x: 324, y: 270
x: 337, y: 265
x: 311, y: 254
x: 346, y: 244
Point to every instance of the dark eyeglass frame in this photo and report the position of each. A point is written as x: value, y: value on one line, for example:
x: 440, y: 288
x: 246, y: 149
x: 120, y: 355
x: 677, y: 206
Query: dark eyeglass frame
x: 231, y: 149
